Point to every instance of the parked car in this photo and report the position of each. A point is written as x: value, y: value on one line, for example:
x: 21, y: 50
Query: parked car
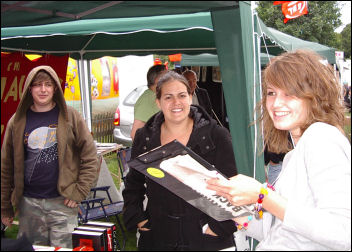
x: 124, y: 116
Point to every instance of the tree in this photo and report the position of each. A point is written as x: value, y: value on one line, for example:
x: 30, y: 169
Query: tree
x: 346, y: 41
x: 317, y: 26
x: 164, y: 59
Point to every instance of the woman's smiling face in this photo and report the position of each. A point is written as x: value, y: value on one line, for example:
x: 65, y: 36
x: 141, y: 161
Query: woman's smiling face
x: 287, y: 112
x: 174, y: 101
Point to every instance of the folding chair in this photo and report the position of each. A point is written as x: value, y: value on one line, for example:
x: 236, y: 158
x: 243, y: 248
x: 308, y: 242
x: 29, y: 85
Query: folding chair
x: 124, y: 155
x: 89, y: 211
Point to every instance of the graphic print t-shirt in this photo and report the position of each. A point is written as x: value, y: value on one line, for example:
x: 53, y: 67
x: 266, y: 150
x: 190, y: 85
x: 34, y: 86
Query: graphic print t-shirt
x: 41, y: 157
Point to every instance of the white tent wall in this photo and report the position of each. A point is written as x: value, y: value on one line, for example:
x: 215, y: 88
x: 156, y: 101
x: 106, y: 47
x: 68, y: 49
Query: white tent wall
x: 132, y: 72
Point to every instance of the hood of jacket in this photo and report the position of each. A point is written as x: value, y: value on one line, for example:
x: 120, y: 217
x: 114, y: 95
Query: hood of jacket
x: 27, y: 99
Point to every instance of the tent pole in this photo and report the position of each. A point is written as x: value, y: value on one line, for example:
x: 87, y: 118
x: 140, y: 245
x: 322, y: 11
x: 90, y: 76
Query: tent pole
x: 84, y: 87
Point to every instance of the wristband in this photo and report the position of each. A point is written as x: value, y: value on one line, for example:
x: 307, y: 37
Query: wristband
x: 245, y: 224
x: 259, y: 203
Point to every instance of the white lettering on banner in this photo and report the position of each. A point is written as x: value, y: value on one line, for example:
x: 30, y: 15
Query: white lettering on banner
x: 295, y: 6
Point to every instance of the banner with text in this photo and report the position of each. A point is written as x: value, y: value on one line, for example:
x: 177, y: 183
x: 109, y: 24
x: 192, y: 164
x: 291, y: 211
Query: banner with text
x: 14, y: 70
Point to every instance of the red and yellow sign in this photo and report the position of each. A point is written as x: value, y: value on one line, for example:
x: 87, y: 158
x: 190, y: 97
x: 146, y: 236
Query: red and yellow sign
x: 104, y: 79
x: 16, y: 66
x: 293, y: 9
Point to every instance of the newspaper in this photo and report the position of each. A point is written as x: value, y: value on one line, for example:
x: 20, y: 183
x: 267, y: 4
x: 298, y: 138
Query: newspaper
x: 184, y: 173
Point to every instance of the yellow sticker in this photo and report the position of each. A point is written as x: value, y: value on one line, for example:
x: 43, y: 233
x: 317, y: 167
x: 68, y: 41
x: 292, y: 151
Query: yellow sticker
x: 156, y: 172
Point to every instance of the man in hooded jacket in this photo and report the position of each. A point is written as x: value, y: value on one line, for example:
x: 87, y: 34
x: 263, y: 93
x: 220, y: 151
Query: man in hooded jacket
x: 48, y: 162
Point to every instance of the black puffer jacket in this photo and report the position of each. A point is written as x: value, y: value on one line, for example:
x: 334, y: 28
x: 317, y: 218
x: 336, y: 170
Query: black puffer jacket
x: 175, y: 224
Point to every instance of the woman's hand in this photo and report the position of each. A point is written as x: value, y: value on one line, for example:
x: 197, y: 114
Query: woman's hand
x: 238, y: 190
x: 208, y: 231
x: 141, y: 224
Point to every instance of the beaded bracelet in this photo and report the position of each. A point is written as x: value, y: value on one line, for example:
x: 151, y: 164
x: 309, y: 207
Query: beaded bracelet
x: 259, y: 203
x: 245, y: 224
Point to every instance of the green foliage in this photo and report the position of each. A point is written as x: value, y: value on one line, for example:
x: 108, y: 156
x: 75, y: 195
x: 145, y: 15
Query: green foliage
x: 317, y: 26
x: 11, y: 232
x: 164, y: 59
x: 338, y: 42
x: 346, y: 41
x: 112, y: 164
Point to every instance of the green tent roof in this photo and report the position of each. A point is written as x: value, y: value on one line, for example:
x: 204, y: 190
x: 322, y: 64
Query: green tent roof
x: 163, y: 34
x: 116, y: 37
x: 33, y: 13
x: 206, y: 59
x: 276, y: 41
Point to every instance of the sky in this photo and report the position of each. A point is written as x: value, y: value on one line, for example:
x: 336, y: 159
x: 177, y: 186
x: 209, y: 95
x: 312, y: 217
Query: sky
x: 345, y: 7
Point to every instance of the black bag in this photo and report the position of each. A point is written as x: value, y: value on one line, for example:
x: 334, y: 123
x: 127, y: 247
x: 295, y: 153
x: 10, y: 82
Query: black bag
x: 20, y: 244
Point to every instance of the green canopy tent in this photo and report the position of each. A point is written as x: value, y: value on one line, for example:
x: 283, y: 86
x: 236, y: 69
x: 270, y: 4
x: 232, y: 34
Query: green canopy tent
x: 202, y: 29
x: 92, y: 29
x: 275, y: 42
x: 207, y: 59
x: 33, y: 13
x: 96, y: 38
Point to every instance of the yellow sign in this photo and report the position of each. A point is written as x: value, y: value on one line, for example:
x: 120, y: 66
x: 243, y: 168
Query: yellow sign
x: 104, y: 78
x: 155, y: 172
x: 72, y: 91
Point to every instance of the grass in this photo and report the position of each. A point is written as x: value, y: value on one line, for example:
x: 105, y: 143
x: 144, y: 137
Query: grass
x: 113, y: 166
x: 11, y: 232
x: 112, y: 163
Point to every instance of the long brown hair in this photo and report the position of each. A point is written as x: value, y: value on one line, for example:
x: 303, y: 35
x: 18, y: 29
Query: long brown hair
x: 302, y: 74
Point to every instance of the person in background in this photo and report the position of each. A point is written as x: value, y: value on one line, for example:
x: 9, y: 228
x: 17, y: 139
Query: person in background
x: 273, y: 163
x: 347, y: 96
x: 145, y: 106
x: 48, y: 163
x: 309, y: 206
x: 200, y: 96
x: 169, y: 222
x: 177, y: 69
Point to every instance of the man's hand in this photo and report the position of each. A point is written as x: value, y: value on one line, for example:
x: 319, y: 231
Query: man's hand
x: 70, y: 203
x: 7, y: 221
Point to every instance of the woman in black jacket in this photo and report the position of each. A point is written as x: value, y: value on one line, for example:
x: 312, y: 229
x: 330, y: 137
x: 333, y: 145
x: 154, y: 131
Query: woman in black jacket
x: 169, y: 222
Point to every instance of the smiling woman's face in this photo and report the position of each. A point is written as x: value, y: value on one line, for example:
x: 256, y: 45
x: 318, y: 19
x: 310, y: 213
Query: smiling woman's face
x: 287, y: 112
x: 175, y: 101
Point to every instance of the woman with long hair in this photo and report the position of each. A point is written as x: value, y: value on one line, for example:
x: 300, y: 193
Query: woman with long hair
x: 309, y: 206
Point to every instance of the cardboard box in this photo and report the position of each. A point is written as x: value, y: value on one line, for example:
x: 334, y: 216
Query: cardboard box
x: 111, y: 233
x: 89, y: 239
x: 96, y: 229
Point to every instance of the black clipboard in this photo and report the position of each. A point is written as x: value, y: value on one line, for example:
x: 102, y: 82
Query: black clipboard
x: 183, y: 172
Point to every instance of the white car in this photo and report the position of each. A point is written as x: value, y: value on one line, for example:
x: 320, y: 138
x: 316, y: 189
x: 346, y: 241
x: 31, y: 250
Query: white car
x: 124, y: 116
